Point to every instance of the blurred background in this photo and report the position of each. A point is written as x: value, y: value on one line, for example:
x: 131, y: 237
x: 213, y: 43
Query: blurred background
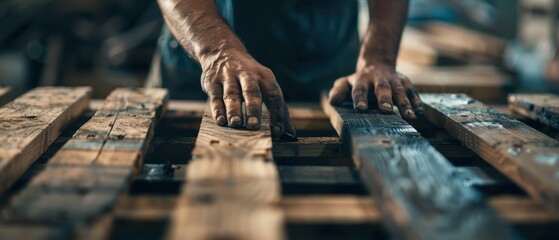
x: 509, y: 44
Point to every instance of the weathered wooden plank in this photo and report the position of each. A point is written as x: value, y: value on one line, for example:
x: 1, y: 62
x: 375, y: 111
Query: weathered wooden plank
x: 30, y: 123
x: 232, y: 186
x: 540, y: 107
x: 412, y: 183
x: 86, y: 176
x: 526, y: 156
x: 330, y: 209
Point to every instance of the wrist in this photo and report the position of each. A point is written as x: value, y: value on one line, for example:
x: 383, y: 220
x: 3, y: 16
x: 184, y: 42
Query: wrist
x: 221, y: 53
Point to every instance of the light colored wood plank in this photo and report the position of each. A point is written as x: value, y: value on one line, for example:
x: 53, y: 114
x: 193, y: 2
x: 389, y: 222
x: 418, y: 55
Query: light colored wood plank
x: 412, y: 183
x: 232, y: 186
x: 330, y: 209
x: 540, y: 107
x: 526, y: 156
x: 84, y: 179
x: 30, y: 123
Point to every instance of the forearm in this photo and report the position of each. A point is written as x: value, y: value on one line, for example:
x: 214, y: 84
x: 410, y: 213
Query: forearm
x: 382, y: 41
x: 199, y: 28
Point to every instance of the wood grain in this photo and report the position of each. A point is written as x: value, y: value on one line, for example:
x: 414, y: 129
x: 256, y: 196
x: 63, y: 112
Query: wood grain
x: 30, y: 123
x: 86, y: 176
x: 526, y: 156
x: 232, y: 186
x: 412, y: 183
x: 540, y: 107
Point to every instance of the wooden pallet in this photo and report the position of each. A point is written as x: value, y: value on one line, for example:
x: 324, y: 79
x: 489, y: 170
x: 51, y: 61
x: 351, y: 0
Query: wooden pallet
x: 114, y: 174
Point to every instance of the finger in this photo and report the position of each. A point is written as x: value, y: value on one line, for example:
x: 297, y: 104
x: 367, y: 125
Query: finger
x: 289, y: 133
x: 253, y: 100
x: 413, y: 95
x: 359, y: 94
x: 339, y: 92
x: 404, y: 106
x: 232, y: 99
x: 215, y: 93
x: 383, y: 93
x: 273, y: 98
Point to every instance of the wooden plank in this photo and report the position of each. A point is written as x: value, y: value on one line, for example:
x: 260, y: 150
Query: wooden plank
x: 232, y: 186
x: 540, y: 107
x: 85, y: 178
x: 412, y: 183
x: 526, y: 156
x: 330, y: 209
x: 30, y: 123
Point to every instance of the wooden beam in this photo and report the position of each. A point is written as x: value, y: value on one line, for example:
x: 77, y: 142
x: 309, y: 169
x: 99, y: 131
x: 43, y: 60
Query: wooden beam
x: 540, y: 107
x: 85, y: 178
x: 412, y: 183
x: 30, y: 123
x: 526, y: 156
x: 232, y: 186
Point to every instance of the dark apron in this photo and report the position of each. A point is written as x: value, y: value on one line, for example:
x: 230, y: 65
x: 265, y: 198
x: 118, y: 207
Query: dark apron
x: 306, y: 43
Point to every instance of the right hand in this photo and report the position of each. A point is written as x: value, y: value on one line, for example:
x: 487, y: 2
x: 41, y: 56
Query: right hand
x: 232, y: 76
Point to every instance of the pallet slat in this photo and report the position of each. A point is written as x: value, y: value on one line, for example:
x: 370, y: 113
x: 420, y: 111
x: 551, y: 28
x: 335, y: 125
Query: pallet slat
x: 540, y: 107
x: 523, y: 154
x: 30, y: 123
x: 232, y: 186
x: 85, y: 178
x: 412, y: 182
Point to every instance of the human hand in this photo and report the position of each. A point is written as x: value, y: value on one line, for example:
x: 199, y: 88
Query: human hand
x: 232, y: 76
x: 389, y: 86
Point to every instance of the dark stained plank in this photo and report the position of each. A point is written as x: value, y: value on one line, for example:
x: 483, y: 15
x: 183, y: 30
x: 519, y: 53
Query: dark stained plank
x: 30, y: 123
x: 412, y: 183
x: 521, y: 153
x: 232, y: 187
x: 86, y: 176
x: 540, y: 107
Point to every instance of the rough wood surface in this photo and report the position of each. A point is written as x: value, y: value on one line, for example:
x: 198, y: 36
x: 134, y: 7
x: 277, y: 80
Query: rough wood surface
x: 540, y: 107
x: 232, y: 187
x: 30, y: 123
x: 412, y: 183
x: 526, y: 156
x: 85, y: 178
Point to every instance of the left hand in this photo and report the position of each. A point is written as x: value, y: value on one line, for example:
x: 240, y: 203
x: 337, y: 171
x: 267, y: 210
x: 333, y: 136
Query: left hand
x: 389, y: 86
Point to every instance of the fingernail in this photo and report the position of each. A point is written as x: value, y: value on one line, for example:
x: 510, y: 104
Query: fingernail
x: 235, y: 121
x: 276, y: 132
x: 361, y: 105
x: 221, y: 121
x: 252, y: 123
x: 387, y: 106
x: 409, y: 113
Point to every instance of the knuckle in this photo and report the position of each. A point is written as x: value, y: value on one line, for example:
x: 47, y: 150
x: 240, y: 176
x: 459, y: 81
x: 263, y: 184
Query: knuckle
x: 382, y: 84
x: 252, y: 91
